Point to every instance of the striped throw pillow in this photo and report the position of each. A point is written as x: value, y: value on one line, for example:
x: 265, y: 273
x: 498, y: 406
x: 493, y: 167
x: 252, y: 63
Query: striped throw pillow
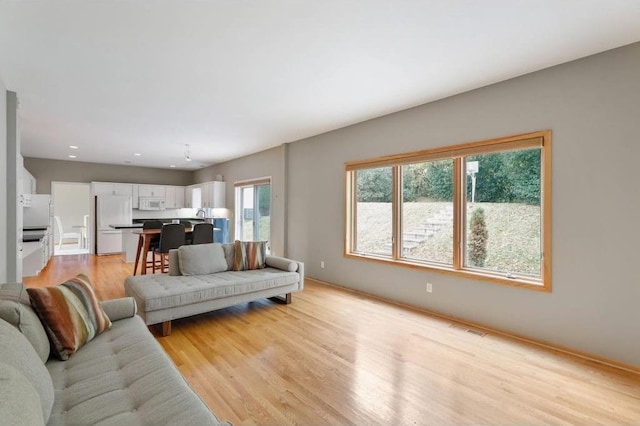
x: 70, y: 313
x: 249, y: 255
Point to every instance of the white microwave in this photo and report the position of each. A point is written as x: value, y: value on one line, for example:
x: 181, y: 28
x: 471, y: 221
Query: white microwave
x: 151, y: 203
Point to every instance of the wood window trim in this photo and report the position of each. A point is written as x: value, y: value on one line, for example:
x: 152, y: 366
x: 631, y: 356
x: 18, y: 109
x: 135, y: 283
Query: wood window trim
x: 253, y: 182
x: 541, y: 139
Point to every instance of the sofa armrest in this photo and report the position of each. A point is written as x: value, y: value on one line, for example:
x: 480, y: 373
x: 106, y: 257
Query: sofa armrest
x: 282, y: 263
x: 287, y: 265
x: 118, y: 309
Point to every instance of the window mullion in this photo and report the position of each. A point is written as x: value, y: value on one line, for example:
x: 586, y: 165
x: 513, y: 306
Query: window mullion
x: 352, y: 223
x: 255, y: 213
x: 396, y: 203
x: 458, y: 212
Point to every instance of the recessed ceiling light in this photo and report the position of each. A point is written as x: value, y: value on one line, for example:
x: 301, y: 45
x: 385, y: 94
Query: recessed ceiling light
x: 73, y: 147
x: 172, y: 166
x: 137, y: 154
x: 72, y: 156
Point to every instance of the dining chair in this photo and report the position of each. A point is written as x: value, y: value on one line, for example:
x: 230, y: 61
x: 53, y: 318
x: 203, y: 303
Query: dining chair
x: 187, y: 224
x: 172, y: 236
x: 202, y: 233
x: 154, y: 241
x: 84, y: 231
x: 66, y: 235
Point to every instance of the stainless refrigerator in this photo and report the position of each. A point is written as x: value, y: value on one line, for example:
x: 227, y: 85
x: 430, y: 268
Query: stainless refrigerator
x: 111, y: 210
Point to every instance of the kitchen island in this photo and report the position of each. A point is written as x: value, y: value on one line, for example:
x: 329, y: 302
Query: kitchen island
x: 130, y: 237
x: 37, y: 248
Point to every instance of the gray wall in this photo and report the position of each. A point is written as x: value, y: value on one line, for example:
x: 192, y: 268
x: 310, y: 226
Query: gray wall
x: 13, y: 178
x: 45, y: 171
x: 3, y: 188
x: 592, y: 106
x: 269, y: 163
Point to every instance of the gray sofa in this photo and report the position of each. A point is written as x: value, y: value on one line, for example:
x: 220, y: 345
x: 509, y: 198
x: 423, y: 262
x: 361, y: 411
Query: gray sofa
x: 122, y: 377
x: 164, y: 297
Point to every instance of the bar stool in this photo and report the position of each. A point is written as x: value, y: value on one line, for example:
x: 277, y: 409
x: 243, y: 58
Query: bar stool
x: 187, y: 224
x: 153, y: 242
x: 172, y: 236
x: 202, y: 233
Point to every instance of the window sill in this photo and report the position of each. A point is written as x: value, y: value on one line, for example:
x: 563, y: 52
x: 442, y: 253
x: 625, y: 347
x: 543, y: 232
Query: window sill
x: 530, y: 284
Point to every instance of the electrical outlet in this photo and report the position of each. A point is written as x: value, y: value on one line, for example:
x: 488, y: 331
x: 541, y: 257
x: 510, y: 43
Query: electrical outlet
x: 429, y: 288
x: 322, y: 264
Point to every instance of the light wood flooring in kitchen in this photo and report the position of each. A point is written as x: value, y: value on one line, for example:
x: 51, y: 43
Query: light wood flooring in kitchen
x: 336, y: 357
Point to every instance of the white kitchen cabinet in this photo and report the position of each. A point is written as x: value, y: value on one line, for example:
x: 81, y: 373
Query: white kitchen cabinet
x: 129, y: 245
x: 101, y: 188
x: 205, y: 195
x: 205, y: 189
x: 28, y: 182
x: 135, y: 198
x: 24, y: 200
x: 109, y: 241
x: 180, y: 195
x: 110, y: 188
x: 31, y: 258
x: 188, y: 197
x: 36, y: 254
x: 174, y: 197
x: 151, y: 191
x: 213, y: 195
x: 123, y: 189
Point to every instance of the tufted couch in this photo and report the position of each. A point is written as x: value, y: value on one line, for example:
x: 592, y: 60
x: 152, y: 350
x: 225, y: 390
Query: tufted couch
x: 162, y: 298
x: 122, y: 377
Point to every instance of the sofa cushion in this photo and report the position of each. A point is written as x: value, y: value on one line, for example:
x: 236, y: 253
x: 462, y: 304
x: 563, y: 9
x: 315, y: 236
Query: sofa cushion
x: 17, y: 352
x: 15, y: 308
x: 160, y: 291
x: 201, y: 259
x: 19, y: 400
x: 71, y: 314
x: 249, y: 255
x: 123, y: 377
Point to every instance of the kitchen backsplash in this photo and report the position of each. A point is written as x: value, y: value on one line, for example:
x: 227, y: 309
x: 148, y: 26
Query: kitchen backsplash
x: 164, y: 214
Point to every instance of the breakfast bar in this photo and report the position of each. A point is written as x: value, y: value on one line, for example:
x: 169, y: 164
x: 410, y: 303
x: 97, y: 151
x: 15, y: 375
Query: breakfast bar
x: 144, y: 240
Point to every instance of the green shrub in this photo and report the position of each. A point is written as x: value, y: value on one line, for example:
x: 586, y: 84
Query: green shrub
x: 478, y: 238
x: 375, y: 185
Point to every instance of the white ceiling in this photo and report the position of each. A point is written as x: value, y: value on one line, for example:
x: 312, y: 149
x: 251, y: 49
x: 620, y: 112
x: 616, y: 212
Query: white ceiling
x: 232, y: 77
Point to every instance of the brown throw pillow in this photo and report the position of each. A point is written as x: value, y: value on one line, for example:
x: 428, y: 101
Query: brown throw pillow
x: 249, y: 255
x: 70, y: 313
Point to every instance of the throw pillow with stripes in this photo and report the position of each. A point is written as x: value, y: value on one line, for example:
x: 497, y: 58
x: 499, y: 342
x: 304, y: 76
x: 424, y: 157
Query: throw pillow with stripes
x: 249, y: 255
x: 70, y: 313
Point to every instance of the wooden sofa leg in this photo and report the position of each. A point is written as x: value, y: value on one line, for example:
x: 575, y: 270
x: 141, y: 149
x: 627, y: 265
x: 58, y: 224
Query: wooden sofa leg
x: 165, y: 328
x: 286, y: 299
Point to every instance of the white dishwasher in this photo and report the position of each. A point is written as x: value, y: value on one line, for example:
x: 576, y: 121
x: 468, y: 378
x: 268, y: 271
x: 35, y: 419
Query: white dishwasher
x: 109, y: 241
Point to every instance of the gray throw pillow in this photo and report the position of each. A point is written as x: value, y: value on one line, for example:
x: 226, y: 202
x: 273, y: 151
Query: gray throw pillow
x: 16, y: 292
x: 25, y: 319
x: 229, y: 254
x: 201, y: 259
x: 15, y: 308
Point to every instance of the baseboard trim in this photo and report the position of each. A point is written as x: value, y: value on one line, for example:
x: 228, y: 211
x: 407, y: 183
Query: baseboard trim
x: 535, y: 342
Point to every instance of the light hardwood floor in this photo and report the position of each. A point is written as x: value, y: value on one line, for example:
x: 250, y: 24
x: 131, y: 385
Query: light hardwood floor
x: 335, y: 357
